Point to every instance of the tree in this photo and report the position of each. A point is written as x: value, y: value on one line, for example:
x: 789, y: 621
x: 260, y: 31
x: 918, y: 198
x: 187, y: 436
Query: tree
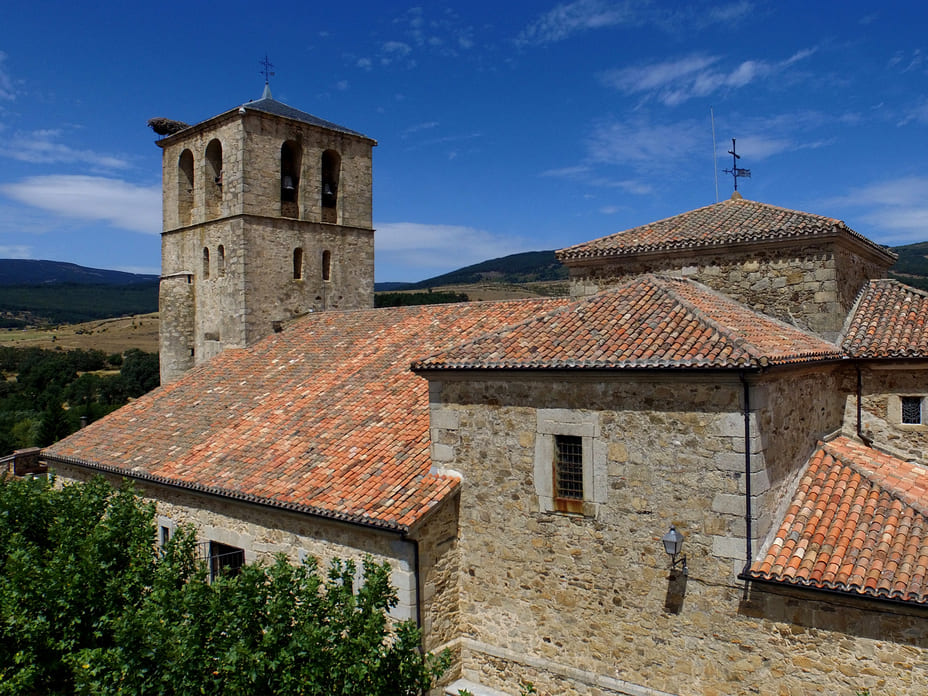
x: 89, y: 605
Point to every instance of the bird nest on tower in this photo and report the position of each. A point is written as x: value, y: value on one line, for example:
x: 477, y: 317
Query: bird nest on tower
x: 166, y: 126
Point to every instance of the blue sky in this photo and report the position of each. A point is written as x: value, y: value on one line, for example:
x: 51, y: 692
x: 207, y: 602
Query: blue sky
x: 502, y: 127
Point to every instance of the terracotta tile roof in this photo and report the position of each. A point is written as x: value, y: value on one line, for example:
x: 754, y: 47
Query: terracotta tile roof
x: 857, y: 524
x: 325, y: 417
x: 734, y: 221
x: 890, y: 320
x: 648, y: 322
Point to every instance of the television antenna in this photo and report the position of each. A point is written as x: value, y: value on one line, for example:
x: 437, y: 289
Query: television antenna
x: 735, y: 170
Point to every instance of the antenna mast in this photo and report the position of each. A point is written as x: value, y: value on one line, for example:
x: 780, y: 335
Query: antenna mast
x: 715, y: 157
x: 735, y: 171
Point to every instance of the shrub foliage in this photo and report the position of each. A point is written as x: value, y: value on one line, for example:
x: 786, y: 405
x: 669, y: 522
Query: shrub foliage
x: 90, y: 605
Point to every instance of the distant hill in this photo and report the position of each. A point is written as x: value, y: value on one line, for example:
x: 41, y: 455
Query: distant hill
x: 53, y: 292
x: 527, y: 267
x: 29, y: 272
x: 912, y: 266
x: 36, y: 292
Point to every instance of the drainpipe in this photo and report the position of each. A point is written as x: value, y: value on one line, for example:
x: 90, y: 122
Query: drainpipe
x: 860, y: 388
x: 415, y: 572
x: 749, y: 554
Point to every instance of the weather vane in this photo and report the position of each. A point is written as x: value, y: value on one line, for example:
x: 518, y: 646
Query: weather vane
x: 268, y: 74
x: 735, y: 171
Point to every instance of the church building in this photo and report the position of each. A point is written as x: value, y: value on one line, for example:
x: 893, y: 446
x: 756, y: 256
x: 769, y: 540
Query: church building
x: 701, y: 473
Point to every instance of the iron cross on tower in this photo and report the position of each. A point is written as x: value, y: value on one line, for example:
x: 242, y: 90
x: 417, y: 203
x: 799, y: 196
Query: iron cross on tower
x: 268, y: 74
x: 735, y: 171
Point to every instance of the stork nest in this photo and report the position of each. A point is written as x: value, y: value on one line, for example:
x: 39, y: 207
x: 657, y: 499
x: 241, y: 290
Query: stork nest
x: 166, y: 126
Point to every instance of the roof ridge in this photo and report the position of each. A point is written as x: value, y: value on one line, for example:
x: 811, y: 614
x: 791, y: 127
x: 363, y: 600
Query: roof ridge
x: 506, y: 327
x: 893, y: 492
x: 739, y: 341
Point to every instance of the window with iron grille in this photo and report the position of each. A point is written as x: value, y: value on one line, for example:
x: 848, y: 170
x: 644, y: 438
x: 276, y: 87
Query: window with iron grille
x: 568, y: 472
x: 912, y: 410
x: 223, y: 559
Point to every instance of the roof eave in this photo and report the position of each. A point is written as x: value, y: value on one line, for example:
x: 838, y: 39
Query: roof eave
x: 753, y: 576
x: 214, y: 491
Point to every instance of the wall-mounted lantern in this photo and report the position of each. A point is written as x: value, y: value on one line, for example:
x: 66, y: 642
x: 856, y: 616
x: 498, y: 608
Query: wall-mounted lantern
x: 673, y: 544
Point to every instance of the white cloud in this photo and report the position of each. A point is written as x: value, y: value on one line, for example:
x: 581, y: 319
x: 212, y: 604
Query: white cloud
x: 43, y: 146
x: 642, y: 143
x: 897, y: 208
x: 6, y: 82
x: 675, y: 81
x: 571, y: 18
x: 567, y: 172
x: 15, y: 251
x: 413, y: 251
x: 364, y: 63
x: 116, y: 202
x: 427, y: 125
x: 341, y: 85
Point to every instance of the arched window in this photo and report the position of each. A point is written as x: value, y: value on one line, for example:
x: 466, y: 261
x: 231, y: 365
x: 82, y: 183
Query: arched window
x: 205, y: 263
x: 298, y: 263
x: 185, y: 187
x: 213, y: 177
x: 326, y: 265
x: 331, y: 169
x: 291, y: 154
x: 221, y: 261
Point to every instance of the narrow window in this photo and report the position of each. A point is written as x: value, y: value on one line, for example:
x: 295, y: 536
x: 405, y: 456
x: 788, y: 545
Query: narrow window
x: 165, y: 534
x: 291, y: 155
x: 568, y: 473
x: 213, y: 177
x: 331, y: 170
x: 224, y: 560
x: 326, y: 265
x: 221, y: 261
x: 205, y: 263
x: 185, y: 187
x: 298, y: 263
x: 912, y: 410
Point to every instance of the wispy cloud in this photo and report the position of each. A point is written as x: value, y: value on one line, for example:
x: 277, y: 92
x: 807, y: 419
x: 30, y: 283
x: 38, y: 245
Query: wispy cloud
x: 917, y: 114
x: 642, y: 143
x: 896, y: 208
x: 113, y: 201
x: 15, y: 251
x: 44, y: 146
x: 572, y: 18
x: 6, y: 82
x: 420, y: 250
x: 568, y: 19
x: 676, y: 81
x: 418, y: 127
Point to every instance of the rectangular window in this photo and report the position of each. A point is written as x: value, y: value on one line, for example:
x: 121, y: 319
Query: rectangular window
x: 912, y: 410
x: 224, y: 559
x: 165, y: 534
x: 568, y: 473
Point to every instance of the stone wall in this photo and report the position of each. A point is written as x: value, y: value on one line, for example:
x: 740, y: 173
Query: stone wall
x: 587, y: 603
x: 812, y: 285
x: 882, y: 387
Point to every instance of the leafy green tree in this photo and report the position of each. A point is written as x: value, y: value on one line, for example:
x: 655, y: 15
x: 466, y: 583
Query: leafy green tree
x: 89, y: 605
x: 140, y: 371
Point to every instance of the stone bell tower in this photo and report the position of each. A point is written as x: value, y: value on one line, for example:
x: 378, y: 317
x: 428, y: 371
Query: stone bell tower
x: 267, y: 216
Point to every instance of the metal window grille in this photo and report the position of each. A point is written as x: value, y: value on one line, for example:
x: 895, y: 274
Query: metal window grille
x: 222, y: 558
x: 568, y: 466
x: 912, y: 410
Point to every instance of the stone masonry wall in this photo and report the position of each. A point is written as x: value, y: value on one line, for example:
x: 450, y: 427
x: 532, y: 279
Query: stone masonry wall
x: 881, y: 411
x: 587, y: 604
x: 808, y: 286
